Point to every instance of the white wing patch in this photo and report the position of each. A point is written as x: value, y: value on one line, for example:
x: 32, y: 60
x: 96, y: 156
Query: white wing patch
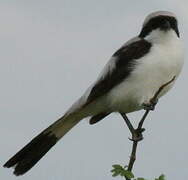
x: 108, y: 68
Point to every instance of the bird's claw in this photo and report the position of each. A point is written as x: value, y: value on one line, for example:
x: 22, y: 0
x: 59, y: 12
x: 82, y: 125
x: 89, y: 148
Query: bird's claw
x: 137, y: 135
x: 151, y: 105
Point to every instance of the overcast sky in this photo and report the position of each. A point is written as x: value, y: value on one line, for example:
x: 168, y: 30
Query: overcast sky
x: 51, y: 51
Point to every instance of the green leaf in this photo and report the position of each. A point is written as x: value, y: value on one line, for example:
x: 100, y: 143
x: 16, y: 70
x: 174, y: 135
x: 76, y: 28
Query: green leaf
x: 117, y: 166
x: 162, y: 177
x: 115, y: 174
x: 140, y: 179
x: 121, y: 171
x: 117, y: 170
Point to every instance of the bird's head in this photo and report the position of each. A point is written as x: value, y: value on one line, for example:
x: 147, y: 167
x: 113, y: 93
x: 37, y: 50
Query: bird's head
x: 158, y: 24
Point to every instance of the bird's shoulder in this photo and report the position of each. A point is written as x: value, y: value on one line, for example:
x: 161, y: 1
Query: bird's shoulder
x: 118, y: 67
x: 135, y: 48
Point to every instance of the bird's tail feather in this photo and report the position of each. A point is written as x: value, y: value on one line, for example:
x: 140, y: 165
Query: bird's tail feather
x: 29, y: 155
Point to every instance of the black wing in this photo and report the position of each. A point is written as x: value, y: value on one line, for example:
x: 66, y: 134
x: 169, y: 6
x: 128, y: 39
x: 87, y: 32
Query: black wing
x: 124, y: 61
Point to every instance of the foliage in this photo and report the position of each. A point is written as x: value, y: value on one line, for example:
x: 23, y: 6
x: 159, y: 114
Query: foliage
x: 119, y: 170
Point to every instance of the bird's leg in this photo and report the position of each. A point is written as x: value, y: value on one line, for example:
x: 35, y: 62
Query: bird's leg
x: 148, y: 106
x: 136, y: 133
x: 127, y: 121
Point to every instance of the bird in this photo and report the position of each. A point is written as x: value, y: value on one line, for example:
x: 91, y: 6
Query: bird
x: 126, y: 84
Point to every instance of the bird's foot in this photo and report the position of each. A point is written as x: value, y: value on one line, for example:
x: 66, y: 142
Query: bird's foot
x: 150, y: 105
x: 137, y: 135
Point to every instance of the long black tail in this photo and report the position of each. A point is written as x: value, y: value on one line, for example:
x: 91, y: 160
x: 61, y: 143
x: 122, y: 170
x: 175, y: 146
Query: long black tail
x: 29, y: 155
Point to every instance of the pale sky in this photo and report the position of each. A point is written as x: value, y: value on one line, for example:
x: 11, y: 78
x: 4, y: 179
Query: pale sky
x: 51, y: 51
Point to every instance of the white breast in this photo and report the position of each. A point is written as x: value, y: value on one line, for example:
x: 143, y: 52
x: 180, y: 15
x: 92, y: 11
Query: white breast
x: 159, y: 66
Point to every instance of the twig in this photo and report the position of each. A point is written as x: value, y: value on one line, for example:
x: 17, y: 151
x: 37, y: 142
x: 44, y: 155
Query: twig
x: 137, y: 133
